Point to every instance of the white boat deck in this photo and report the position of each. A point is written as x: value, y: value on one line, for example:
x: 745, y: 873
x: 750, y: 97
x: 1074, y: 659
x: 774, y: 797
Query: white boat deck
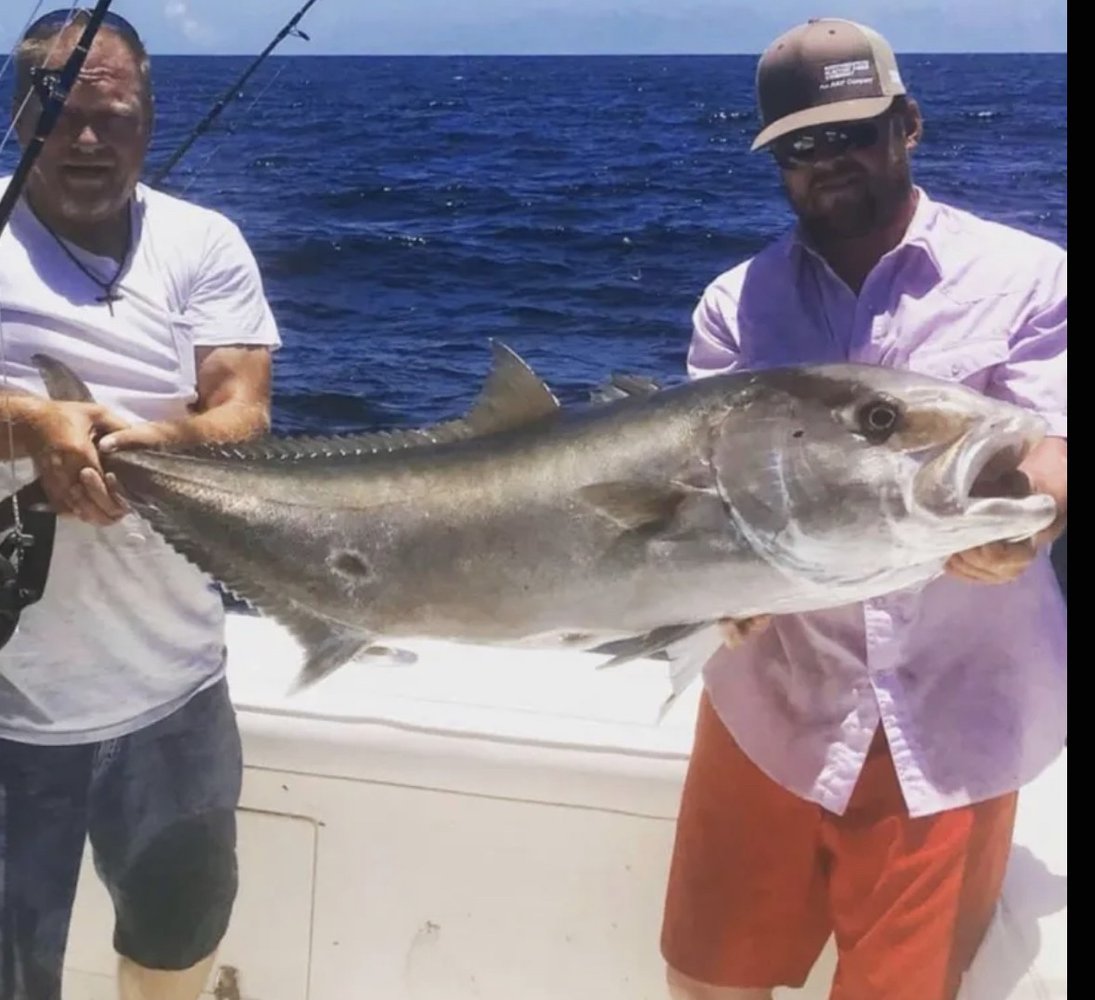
x: 494, y: 825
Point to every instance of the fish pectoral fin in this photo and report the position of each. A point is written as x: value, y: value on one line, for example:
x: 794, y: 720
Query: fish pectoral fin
x: 634, y: 504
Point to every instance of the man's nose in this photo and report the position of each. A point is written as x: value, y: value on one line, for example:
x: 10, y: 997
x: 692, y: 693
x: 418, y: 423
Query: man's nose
x: 87, y: 136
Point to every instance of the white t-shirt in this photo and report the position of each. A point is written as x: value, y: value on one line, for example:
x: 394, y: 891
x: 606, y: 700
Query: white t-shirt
x: 127, y: 629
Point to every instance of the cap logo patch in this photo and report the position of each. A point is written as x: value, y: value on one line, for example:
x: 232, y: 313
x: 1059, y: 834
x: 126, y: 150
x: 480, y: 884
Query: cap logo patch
x: 841, y: 71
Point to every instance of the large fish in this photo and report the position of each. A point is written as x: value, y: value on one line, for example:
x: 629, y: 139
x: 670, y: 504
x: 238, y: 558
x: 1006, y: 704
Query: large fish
x: 626, y: 527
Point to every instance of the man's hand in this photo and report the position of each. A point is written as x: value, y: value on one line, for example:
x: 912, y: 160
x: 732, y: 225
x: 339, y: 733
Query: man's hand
x: 61, y: 444
x: 736, y: 631
x: 67, y: 439
x: 154, y: 434
x: 997, y: 562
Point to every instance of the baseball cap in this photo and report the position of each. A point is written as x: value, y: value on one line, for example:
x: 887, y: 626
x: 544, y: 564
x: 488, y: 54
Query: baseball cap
x: 824, y: 71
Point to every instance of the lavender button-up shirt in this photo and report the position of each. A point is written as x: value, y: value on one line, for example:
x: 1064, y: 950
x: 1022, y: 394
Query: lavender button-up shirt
x: 968, y: 680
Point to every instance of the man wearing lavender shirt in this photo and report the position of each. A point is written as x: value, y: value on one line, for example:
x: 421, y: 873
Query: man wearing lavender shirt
x: 856, y: 771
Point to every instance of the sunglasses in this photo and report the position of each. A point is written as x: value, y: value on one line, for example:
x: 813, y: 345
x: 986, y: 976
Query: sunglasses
x: 800, y: 149
x: 55, y: 20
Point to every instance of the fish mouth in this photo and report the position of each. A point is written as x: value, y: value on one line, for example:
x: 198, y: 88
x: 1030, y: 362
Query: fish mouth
x: 982, y: 481
x: 988, y: 468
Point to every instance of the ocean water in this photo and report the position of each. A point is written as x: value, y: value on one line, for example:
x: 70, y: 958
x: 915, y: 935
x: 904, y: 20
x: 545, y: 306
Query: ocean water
x: 405, y: 210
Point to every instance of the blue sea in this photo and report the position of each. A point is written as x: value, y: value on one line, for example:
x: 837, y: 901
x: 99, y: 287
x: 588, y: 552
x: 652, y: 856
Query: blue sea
x: 405, y: 210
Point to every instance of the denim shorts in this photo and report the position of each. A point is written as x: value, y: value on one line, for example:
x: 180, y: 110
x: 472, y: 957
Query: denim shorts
x: 158, y: 807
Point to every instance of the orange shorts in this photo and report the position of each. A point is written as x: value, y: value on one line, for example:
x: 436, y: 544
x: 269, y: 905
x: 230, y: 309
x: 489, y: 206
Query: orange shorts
x: 760, y: 878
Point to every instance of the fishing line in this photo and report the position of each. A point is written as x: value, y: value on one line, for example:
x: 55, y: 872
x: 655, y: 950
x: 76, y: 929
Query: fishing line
x: 3, y: 145
x: 290, y: 28
x: 196, y: 173
x: 51, y: 109
x: 15, y: 48
x: 25, y: 557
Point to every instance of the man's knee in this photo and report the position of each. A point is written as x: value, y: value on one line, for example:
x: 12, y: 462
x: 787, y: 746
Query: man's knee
x: 682, y: 987
x: 174, y: 903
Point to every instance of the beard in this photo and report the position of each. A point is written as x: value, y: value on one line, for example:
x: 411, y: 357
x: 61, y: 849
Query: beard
x: 88, y: 204
x: 851, y: 203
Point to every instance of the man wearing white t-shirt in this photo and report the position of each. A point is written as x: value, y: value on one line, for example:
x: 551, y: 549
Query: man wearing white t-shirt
x: 115, y: 721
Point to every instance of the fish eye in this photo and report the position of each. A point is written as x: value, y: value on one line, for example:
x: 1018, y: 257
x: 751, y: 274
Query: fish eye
x: 878, y: 419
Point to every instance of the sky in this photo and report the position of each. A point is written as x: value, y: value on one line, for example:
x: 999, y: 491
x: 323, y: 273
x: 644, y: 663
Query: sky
x: 472, y: 27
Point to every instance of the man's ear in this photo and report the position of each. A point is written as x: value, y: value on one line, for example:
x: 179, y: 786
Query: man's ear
x: 912, y: 123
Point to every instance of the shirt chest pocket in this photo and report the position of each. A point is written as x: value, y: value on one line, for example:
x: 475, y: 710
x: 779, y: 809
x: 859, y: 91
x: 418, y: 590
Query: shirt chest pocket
x: 969, y: 363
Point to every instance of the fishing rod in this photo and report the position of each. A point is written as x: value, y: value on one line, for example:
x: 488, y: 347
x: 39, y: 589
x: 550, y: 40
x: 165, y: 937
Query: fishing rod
x: 27, y: 523
x: 290, y: 28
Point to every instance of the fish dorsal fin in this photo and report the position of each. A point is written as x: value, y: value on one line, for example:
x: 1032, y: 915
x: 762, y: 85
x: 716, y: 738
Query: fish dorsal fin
x: 61, y: 382
x: 512, y: 395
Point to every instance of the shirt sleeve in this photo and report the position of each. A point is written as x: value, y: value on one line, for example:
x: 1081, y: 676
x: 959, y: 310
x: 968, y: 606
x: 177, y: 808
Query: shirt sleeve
x: 227, y: 304
x: 1035, y: 373
x: 715, y: 347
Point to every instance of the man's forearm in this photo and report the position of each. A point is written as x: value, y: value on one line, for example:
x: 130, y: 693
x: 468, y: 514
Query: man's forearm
x: 234, y: 389
x: 21, y: 415
x: 225, y: 423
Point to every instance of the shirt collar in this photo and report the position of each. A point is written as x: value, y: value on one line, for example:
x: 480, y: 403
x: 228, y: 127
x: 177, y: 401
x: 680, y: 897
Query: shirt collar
x: 918, y: 234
